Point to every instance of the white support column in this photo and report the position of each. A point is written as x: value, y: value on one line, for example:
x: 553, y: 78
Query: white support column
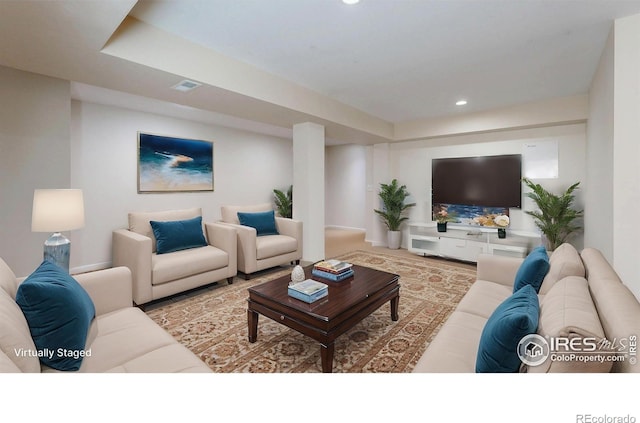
x: 308, y: 187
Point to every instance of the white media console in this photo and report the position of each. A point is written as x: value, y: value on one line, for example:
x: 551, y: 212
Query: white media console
x: 464, y: 243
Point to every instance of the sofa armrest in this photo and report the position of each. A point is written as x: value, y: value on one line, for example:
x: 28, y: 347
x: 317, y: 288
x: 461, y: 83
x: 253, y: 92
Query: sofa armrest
x: 499, y: 269
x: 133, y: 250
x: 247, y: 253
x: 290, y: 227
x: 224, y: 237
x: 109, y: 289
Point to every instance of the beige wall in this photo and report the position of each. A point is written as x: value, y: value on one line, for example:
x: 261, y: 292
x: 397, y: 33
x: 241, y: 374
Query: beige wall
x: 626, y: 152
x: 410, y: 163
x: 34, y: 153
x: 247, y: 167
x: 345, y: 187
x: 599, y: 195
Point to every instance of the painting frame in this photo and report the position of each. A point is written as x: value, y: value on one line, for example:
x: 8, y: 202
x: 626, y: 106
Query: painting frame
x: 169, y: 164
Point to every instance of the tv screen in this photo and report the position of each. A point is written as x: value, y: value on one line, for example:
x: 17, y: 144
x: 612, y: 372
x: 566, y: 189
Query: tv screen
x: 490, y: 181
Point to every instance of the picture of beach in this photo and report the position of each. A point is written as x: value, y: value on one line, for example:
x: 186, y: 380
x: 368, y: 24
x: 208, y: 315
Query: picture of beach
x: 167, y: 164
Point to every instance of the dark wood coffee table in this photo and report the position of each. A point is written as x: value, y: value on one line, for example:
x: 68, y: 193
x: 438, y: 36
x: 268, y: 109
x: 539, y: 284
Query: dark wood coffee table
x: 348, y: 302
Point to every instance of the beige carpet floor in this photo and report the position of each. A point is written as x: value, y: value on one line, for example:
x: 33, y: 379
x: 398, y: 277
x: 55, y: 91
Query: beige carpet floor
x: 213, y: 323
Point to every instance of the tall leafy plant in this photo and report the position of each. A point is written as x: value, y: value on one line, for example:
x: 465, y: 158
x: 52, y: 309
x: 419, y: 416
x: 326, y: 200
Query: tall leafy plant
x: 393, y: 196
x: 284, y: 202
x: 555, y: 217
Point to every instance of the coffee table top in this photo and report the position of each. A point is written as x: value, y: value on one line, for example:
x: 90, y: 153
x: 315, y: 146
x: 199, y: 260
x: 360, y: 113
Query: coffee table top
x: 343, y: 295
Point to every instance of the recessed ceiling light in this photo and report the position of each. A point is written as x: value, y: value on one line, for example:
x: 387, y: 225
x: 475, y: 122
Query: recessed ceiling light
x: 350, y: 1
x: 186, y: 85
x: 461, y: 102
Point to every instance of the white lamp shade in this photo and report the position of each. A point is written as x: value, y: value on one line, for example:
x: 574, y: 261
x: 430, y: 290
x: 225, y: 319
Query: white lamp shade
x: 57, y: 210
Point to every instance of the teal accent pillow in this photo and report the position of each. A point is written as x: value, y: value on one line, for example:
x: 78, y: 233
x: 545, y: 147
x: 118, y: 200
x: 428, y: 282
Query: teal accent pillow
x: 263, y: 222
x: 514, y: 318
x: 59, y: 312
x: 178, y: 235
x: 532, y: 270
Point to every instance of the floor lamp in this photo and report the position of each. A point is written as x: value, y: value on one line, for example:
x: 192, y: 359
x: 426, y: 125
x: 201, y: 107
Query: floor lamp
x: 57, y: 210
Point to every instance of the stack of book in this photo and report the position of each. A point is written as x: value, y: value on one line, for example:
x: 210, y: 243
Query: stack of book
x: 334, y: 270
x: 308, y: 290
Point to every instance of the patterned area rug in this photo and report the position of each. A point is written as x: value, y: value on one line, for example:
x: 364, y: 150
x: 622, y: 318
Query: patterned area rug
x: 213, y: 323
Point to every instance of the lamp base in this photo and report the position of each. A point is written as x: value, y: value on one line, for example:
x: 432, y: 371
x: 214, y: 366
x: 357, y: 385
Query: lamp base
x: 56, y: 250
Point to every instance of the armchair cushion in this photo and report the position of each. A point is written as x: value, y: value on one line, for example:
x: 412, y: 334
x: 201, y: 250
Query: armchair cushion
x: 59, y: 313
x: 182, y: 264
x: 275, y: 245
x: 263, y: 222
x: 178, y: 235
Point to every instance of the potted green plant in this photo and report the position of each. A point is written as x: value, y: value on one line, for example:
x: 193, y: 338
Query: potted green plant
x: 284, y: 202
x: 555, y: 217
x: 393, y: 196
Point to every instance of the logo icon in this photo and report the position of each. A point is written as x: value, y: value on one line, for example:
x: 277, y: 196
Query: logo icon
x: 533, y: 350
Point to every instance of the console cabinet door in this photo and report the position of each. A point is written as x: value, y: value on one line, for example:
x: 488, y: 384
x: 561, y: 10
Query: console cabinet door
x: 462, y: 249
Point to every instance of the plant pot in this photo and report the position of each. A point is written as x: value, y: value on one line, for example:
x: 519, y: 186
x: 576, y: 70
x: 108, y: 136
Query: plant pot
x: 393, y: 239
x: 442, y: 227
x: 502, y: 233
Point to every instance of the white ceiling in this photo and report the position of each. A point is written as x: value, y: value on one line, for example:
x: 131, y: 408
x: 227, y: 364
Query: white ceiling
x: 402, y: 60
x: 381, y: 61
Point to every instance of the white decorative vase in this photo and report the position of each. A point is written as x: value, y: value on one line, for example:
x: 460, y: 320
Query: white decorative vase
x: 393, y: 239
x: 297, y: 275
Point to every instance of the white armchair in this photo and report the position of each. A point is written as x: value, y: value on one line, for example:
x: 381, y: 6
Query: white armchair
x: 256, y: 253
x: 156, y: 275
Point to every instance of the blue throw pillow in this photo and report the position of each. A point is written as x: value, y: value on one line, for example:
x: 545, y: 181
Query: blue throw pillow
x: 514, y: 318
x: 59, y: 312
x: 178, y: 235
x: 263, y: 222
x: 532, y: 270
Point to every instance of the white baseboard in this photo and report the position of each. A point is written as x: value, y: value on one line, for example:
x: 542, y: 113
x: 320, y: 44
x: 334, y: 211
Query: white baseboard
x: 344, y: 227
x: 376, y: 243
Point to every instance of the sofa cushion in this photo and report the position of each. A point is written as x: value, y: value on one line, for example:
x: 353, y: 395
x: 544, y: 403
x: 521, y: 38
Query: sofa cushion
x: 455, y: 346
x: 59, y: 313
x: 139, y: 221
x: 15, y: 338
x: 8, y: 281
x: 532, y: 270
x: 7, y: 365
x: 178, y: 235
x: 514, y: 318
x: 564, y: 261
x: 484, y: 297
x: 617, y: 306
x: 230, y: 213
x: 568, y: 312
x: 275, y: 245
x: 181, y: 264
x: 129, y: 341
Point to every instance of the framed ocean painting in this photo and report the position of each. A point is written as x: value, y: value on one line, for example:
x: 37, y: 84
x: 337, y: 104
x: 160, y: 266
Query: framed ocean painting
x: 169, y: 164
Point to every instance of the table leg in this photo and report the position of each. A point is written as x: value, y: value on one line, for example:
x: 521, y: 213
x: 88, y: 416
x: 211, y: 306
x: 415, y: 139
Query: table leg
x: 252, y: 318
x: 394, y: 307
x: 326, y: 355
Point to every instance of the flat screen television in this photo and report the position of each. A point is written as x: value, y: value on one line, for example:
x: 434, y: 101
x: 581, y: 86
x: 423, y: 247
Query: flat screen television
x: 486, y: 181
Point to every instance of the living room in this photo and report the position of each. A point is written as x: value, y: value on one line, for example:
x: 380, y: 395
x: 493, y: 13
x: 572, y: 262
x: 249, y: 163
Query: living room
x: 68, y: 138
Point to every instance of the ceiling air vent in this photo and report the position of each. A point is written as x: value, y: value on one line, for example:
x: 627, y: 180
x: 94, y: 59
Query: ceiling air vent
x: 186, y: 85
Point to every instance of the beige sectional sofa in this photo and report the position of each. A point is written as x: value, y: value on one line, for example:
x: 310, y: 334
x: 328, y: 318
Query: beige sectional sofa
x: 581, y: 298
x: 122, y: 338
